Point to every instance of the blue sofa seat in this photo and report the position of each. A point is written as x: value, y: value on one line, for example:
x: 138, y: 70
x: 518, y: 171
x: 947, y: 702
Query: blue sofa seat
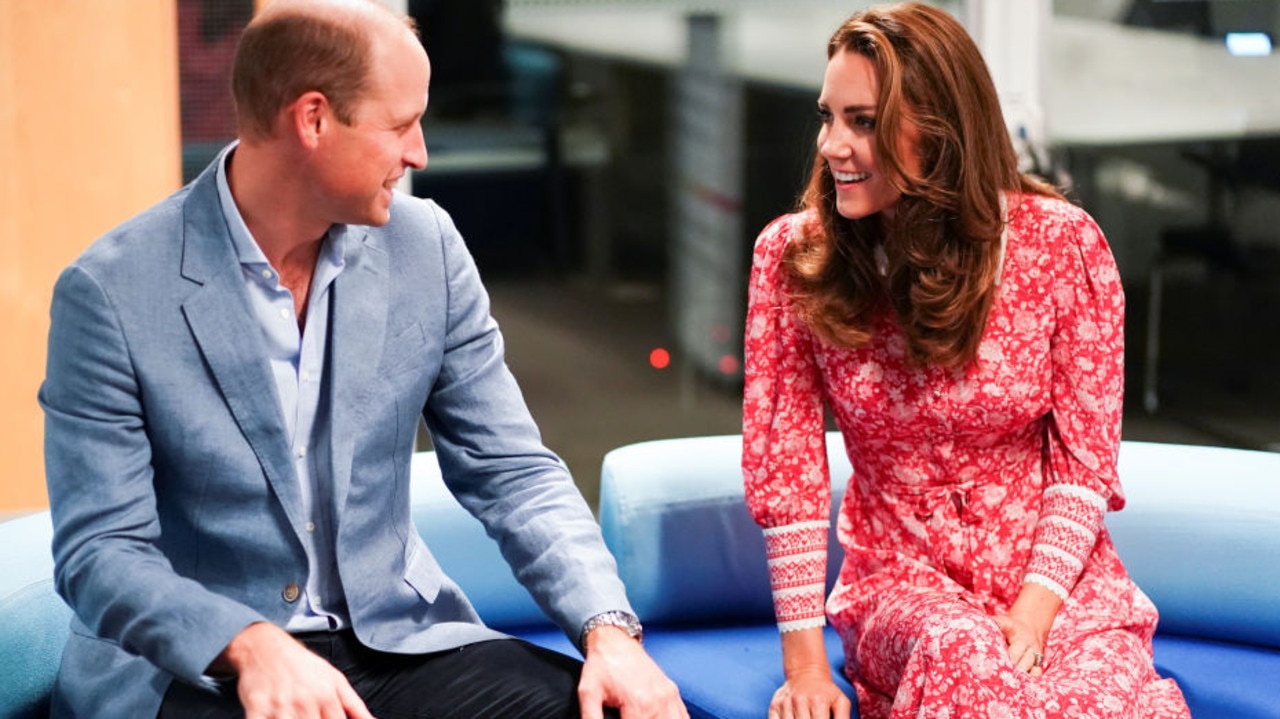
x: 1201, y: 535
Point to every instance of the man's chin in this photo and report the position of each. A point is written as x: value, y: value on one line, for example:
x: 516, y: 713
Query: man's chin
x: 377, y: 216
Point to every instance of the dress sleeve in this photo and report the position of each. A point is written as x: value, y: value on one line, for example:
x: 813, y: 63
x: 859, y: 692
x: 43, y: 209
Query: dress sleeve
x: 784, y: 457
x: 1083, y: 431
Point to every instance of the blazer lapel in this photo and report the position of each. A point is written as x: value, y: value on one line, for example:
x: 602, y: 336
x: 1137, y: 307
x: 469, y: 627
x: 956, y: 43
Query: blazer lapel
x: 227, y: 334
x: 357, y: 330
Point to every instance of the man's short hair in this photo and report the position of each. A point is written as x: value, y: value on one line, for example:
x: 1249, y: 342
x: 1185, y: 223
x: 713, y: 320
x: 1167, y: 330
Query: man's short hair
x: 290, y: 52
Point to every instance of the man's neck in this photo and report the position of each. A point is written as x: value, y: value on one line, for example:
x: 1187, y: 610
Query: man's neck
x: 273, y: 209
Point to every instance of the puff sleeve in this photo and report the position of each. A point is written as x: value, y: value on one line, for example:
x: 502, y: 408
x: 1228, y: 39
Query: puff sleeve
x: 1083, y: 429
x: 784, y: 458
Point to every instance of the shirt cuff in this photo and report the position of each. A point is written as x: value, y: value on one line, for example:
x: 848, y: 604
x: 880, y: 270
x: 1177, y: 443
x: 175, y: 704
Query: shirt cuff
x: 797, y: 555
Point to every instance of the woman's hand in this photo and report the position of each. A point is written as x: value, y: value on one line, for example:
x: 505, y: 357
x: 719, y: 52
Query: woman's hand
x: 810, y: 695
x: 1026, y: 645
x: 809, y: 691
x: 1026, y: 627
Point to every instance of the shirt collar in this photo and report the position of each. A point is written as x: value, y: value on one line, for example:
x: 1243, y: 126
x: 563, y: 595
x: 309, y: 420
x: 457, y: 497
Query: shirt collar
x: 332, y: 251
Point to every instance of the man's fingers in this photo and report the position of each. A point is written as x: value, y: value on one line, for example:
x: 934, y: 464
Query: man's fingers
x: 591, y: 702
x: 352, y: 704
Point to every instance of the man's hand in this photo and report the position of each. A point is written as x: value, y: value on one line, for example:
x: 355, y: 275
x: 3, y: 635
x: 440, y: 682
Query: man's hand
x: 278, y: 677
x: 618, y: 673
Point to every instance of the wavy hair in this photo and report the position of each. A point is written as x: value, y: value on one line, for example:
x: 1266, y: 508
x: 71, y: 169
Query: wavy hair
x: 945, y: 249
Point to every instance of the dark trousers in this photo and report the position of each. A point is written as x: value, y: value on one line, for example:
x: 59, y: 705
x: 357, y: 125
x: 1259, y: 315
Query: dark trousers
x: 492, y: 679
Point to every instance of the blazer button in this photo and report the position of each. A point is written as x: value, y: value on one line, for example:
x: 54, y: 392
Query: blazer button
x: 291, y: 593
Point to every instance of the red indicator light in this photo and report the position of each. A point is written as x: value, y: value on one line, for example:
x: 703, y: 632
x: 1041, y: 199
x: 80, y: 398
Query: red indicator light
x: 729, y: 364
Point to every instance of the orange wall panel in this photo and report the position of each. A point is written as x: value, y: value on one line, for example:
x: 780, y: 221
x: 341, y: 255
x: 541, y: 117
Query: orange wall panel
x: 89, y: 136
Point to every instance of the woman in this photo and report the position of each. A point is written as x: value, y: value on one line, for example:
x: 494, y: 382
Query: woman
x: 963, y: 325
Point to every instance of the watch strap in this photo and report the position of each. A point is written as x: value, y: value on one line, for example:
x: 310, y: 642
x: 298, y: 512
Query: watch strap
x: 626, y: 621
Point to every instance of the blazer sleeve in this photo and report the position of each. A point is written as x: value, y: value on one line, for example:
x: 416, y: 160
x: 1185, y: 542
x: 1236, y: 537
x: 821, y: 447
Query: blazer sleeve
x: 98, y: 466
x: 493, y: 460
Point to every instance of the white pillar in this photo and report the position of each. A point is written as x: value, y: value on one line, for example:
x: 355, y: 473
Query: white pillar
x: 1014, y: 38
x: 706, y: 257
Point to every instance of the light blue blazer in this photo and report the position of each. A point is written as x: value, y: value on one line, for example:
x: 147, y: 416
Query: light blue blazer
x: 175, y: 504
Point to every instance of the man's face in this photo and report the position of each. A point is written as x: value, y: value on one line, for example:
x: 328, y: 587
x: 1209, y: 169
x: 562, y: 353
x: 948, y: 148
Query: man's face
x: 362, y: 162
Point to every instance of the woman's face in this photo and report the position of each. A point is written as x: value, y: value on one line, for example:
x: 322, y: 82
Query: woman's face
x: 847, y: 140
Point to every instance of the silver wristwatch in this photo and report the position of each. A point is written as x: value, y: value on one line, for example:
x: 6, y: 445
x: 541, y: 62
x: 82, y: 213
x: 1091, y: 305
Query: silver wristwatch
x: 626, y: 621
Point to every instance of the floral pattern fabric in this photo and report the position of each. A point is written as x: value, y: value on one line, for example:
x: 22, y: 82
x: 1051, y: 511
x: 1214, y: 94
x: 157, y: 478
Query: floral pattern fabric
x: 966, y: 484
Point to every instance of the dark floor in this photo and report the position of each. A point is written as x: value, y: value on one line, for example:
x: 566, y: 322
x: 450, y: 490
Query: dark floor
x: 581, y: 354
x: 580, y: 351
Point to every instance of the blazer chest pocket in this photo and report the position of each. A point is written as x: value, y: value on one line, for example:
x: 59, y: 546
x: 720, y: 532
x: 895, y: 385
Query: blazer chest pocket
x: 421, y: 571
x: 406, y: 351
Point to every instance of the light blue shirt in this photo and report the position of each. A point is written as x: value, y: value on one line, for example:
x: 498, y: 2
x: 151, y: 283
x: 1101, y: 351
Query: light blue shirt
x: 297, y: 359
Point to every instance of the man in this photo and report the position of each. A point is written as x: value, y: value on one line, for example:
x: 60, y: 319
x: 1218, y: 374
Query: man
x: 234, y: 385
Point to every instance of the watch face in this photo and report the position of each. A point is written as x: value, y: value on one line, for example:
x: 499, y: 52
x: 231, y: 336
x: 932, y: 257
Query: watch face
x: 630, y: 624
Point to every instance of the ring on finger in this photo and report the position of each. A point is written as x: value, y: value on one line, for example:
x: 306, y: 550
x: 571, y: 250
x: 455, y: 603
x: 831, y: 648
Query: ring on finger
x: 1037, y: 659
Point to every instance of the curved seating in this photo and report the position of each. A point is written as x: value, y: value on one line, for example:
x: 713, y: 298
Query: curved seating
x: 1201, y: 535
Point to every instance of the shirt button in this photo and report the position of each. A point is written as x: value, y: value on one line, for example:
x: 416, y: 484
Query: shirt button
x: 266, y: 274
x: 291, y: 593
x: 302, y: 452
x: 285, y: 314
x: 311, y: 526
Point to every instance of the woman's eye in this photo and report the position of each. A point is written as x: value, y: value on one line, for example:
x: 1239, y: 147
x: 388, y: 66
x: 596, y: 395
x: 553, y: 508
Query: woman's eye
x: 865, y: 121
x: 824, y: 115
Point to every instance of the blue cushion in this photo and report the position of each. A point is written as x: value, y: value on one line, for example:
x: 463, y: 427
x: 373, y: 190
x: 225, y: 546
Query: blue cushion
x: 673, y: 515
x: 466, y: 553
x: 730, y: 672
x: 723, y: 671
x: 34, y: 620
x: 1222, y: 680
x: 1201, y: 536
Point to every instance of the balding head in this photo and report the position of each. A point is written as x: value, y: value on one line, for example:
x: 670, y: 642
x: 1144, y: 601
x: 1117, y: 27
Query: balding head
x: 298, y: 46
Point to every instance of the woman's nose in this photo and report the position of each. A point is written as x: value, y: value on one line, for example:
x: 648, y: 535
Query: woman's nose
x: 835, y: 143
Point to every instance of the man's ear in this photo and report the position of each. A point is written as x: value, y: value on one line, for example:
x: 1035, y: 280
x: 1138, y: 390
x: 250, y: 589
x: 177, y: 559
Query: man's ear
x: 310, y: 117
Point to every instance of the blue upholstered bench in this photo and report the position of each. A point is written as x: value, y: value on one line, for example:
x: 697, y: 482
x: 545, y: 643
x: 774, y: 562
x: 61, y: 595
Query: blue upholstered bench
x: 1201, y: 535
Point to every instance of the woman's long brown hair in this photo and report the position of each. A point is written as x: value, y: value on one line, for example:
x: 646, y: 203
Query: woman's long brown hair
x: 943, y: 243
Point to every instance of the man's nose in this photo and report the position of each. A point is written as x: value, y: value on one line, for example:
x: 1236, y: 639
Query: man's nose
x: 415, y: 154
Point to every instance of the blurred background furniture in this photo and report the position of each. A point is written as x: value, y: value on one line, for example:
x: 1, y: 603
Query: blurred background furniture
x: 1212, y: 251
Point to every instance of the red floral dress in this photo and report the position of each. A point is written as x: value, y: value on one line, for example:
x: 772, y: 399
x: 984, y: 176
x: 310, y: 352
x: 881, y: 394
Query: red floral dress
x: 966, y: 484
